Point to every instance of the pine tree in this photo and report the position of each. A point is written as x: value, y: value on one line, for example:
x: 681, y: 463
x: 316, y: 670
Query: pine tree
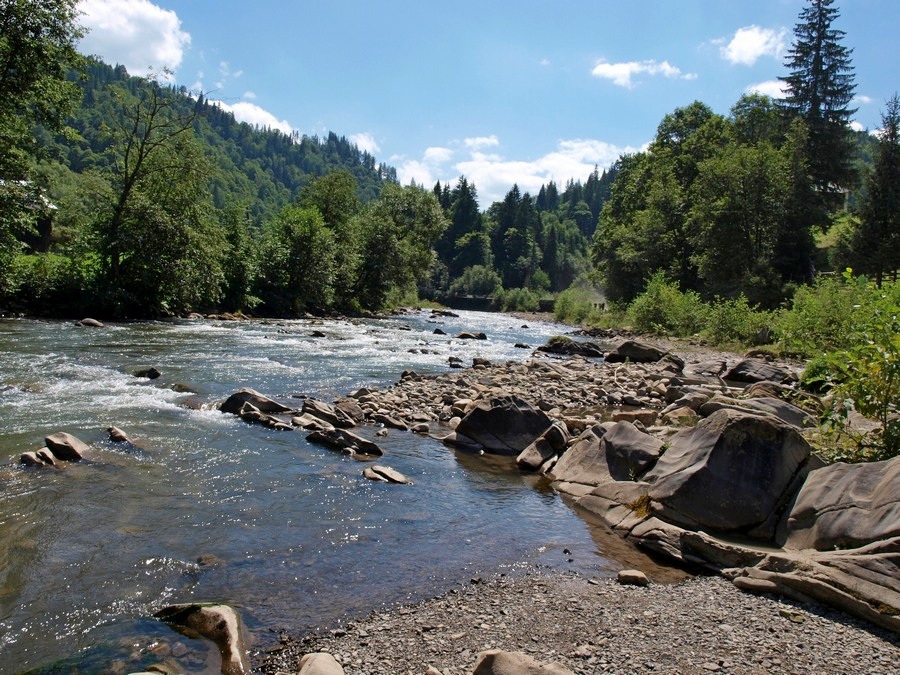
x: 876, y: 242
x: 819, y: 89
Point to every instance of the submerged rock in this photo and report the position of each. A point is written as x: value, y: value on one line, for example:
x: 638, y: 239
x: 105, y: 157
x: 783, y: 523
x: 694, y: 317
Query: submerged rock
x: 219, y: 623
x: 66, y: 447
x: 235, y: 402
x: 346, y: 441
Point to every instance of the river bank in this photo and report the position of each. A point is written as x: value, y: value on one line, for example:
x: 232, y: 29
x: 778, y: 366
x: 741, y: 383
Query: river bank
x: 700, y: 625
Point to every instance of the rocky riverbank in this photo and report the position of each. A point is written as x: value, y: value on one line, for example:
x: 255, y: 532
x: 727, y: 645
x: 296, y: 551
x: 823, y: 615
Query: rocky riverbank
x: 700, y: 457
x: 701, y: 625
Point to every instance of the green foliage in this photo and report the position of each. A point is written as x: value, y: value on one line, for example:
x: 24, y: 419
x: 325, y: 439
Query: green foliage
x: 866, y: 370
x: 730, y: 321
x: 476, y: 280
x: 664, y: 309
x: 54, y: 285
x: 580, y: 303
x: 819, y: 319
x: 517, y: 300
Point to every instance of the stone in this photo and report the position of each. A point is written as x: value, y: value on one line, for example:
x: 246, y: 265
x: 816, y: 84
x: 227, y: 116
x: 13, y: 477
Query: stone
x: 66, y: 447
x: 629, y: 452
x: 637, y: 352
x: 756, y: 370
x: 46, y: 456
x: 504, y: 424
x: 466, y: 335
x: 560, y: 344
x: 262, y: 403
x: 116, y: 435
x: 681, y: 417
x: 730, y: 473
x: 30, y: 458
x: 351, y: 409
x: 390, y: 422
x: 585, y: 461
x: 89, y: 323
x: 632, y: 578
x: 438, y: 331
x: 320, y: 663
x: 387, y: 474
x: 786, y: 412
x: 552, y: 442
x: 327, y: 413
x: 645, y: 417
x: 843, y: 506
x: 218, y: 623
x: 341, y: 439
x: 497, y: 662
x: 149, y: 373
x: 420, y: 428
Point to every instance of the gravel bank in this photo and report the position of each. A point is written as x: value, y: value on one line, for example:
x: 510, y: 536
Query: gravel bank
x: 701, y: 625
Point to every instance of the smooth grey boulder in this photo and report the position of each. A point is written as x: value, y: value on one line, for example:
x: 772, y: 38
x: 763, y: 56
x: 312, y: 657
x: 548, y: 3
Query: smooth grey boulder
x: 632, y: 578
x: 504, y: 425
x: 757, y: 370
x: 786, y: 412
x: 31, y: 458
x: 218, y: 623
x: 551, y: 443
x: 320, y: 663
x: 244, y: 395
x: 639, y: 352
x: 570, y: 347
x: 249, y: 413
x: 629, y: 451
x: 116, y: 435
x: 66, y: 447
x: 351, y: 409
x: 346, y: 441
x: 89, y: 323
x: 733, y: 472
x: 585, y: 461
x: 467, y: 335
x: 497, y: 662
x: 843, y: 506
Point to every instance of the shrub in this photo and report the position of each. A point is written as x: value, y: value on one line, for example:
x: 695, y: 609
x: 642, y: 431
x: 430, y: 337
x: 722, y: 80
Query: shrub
x: 734, y: 320
x: 476, y: 280
x: 664, y: 309
x: 517, y: 300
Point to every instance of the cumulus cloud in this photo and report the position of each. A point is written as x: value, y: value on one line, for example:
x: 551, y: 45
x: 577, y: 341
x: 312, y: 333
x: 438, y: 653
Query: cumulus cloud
x: 856, y: 126
x: 244, y: 111
x: 751, y: 42
x: 481, y: 142
x: 365, y: 142
x: 494, y: 175
x: 622, y: 74
x: 135, y: 33
x: 773, y: 88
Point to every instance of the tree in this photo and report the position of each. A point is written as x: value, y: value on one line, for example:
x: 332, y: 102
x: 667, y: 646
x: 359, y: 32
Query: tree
x: 876, y: 241
x: 37, y: 48
x: 819, y: 89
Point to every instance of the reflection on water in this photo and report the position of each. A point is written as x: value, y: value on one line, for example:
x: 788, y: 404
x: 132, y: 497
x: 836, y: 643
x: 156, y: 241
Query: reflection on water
x: 209, y: 508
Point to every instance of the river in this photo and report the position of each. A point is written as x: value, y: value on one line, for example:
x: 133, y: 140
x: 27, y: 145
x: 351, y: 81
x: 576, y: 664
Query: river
x: 209, y: 508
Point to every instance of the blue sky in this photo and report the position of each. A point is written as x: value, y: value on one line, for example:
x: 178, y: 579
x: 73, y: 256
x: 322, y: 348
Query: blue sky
x: 501, y: 91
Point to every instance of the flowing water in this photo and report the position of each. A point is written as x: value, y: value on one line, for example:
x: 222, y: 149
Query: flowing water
x: 208, y: 508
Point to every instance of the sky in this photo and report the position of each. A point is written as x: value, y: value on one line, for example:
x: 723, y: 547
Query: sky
x: 501, y: 91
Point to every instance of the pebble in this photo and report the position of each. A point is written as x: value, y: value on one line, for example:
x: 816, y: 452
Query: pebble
x: 703, y: 624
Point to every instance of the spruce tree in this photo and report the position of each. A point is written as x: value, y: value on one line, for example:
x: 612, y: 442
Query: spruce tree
x: 819, y: 89
x: 876, y: 242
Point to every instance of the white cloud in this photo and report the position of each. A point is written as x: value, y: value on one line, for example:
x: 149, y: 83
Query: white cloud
x: 773, y: 88
x: 856, y: 126
x: 494, y: 175
x: 244, y: 111
x: 862, y: 99
x: 479, y: 142
x: 249, y: 95
x: 135, y: 33
x: 752, y: 42
x: 621, y: 74
x: 365, y: 142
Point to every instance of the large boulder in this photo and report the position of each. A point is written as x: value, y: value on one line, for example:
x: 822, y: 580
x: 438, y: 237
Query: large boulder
x: 843, y: 506
x: 639, y: 352
x: 66, y: 447
x: 559, y: 344
x: 503, y: 425
x: 219, y: 623
x: 786, y: 412
x: 320, y: 663
x: 757, y: 370
x: 585, y: 461
x: 551, y: 443
x: 235, y: 402
x: 629, y: 451
x: 733, y: 472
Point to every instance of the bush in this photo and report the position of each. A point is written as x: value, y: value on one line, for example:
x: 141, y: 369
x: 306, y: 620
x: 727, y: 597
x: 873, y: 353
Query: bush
x: 664, y: 309
x: 866, y: 372
x: 734, y: 320
x: 580, y: 303
x: 476, y: 280
x: 517, y: 300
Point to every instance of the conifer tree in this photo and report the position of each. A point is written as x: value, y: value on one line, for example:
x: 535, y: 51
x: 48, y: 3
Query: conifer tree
x: 819, y: 88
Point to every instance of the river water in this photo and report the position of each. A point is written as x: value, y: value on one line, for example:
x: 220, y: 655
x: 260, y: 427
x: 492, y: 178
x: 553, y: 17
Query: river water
x: 208, y: 508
